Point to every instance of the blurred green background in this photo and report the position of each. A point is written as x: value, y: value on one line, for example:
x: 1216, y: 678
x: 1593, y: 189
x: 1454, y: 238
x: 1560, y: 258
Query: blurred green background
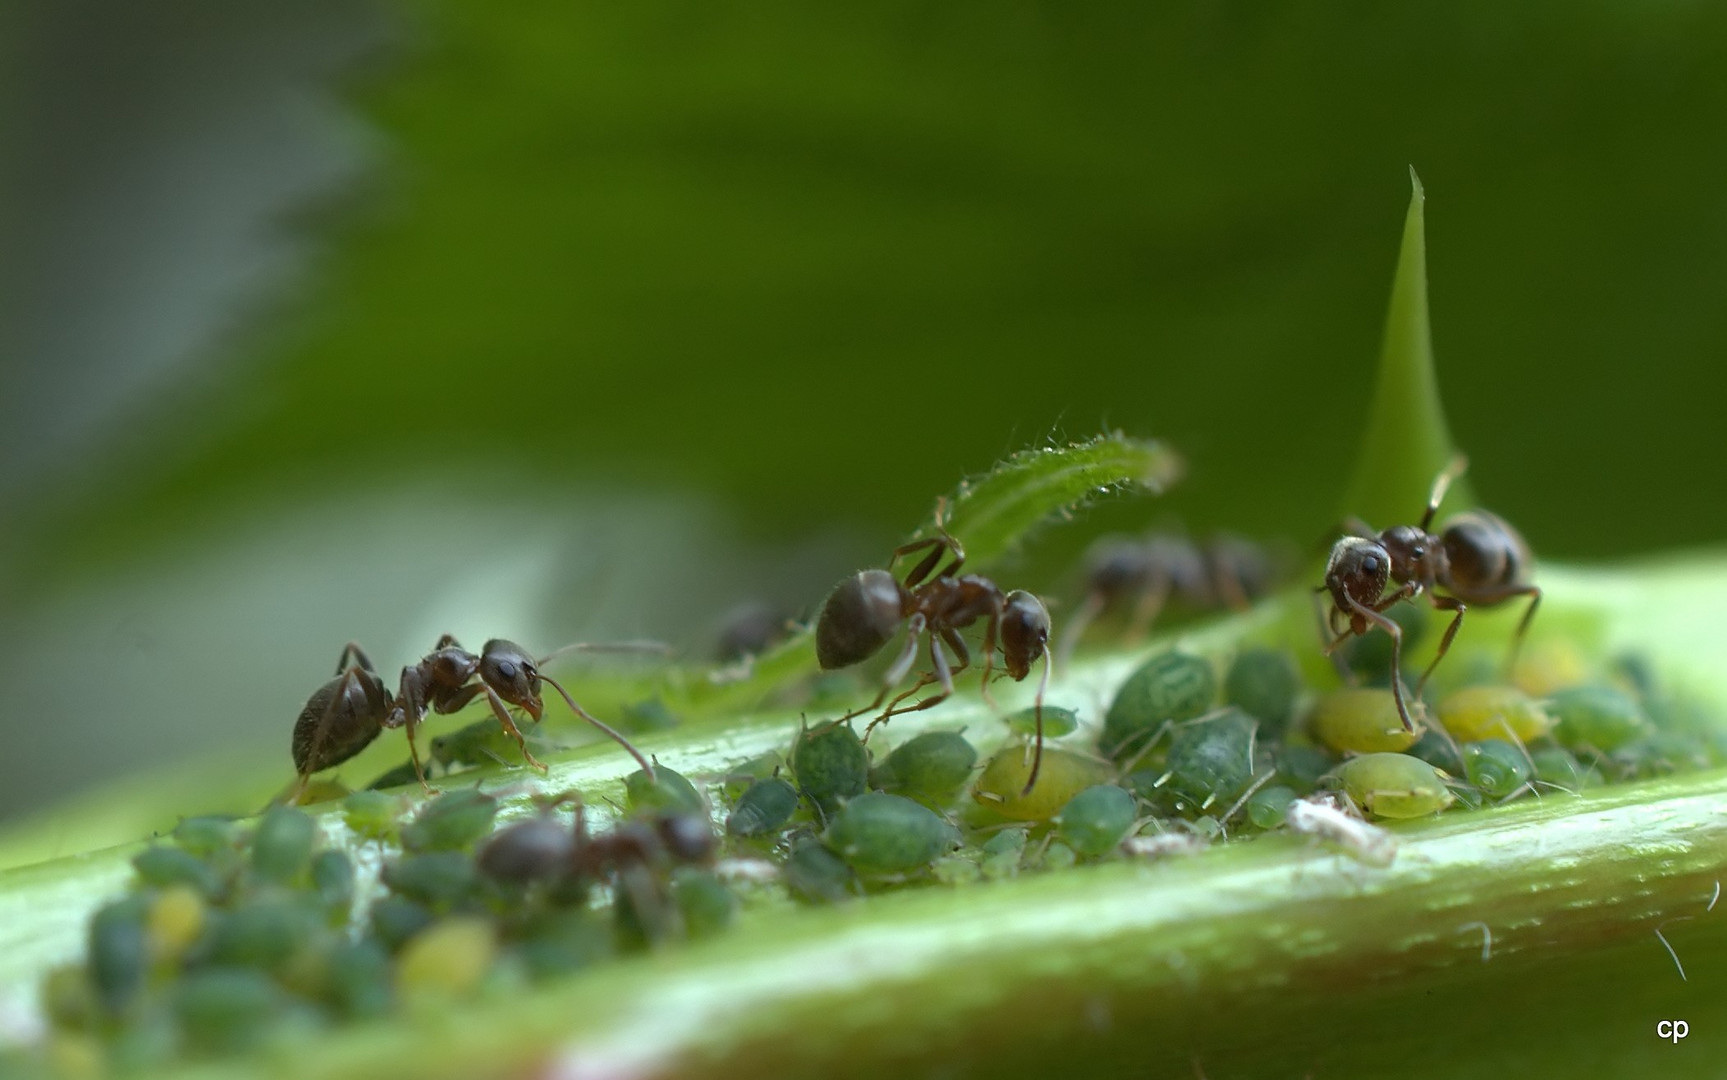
x: 329, y: 321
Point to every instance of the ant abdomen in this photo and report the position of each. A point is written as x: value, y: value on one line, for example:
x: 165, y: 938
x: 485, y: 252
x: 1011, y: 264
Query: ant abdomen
x: 1484, y: 552
x: 859, y: 617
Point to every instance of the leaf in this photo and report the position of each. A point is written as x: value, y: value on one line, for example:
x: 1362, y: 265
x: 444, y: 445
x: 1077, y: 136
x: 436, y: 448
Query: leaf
x: 1406, y: 442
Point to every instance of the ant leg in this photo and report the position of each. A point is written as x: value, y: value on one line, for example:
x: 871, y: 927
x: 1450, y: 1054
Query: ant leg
x: 1456, y: 468
x: 1443, y: 603
x: 902, y: 664
x: 503, y: 715
x: 990, y: 631
x: 1082, y: 618
x: 1534, y: 594
x: 1329, y: 637
x: 414, y: 754
x: 353, y: 654
x: 1354, y: 526
x: 1150, y: 606
x: 942, y: 675
x: 1396, y: 633
x: 1037, y: 711
x: 610, y: 732
x: 445, y: 641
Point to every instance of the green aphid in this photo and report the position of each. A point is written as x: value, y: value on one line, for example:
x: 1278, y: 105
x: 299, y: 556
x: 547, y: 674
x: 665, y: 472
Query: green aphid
x: 265, y: 933
x: 666, y: 791
x: 955, y: 870
x: 1557, y: 768
x: 1600, y: 718
x: 118, y: 953
x: 1263, y: 683
x: 1495, y: 766
x: 1057, y: 856
x: 1064, y: 774
x: 1057, y: 722
x: 438, y: 879
x: 931, y: 768
x: 333, y: 878
x: 453, y: 821
x: 282, y: 845
x: 646, y: 716
x: 879, y: 834
x: 227, y: 1009
x: 1267, y: 807
x: 1171, y: 686
x: 1210, y: 761
x: 400, y: 776
x: 1002, y: 853
x: 68, y: 999
x: 1096, y: 820
x: 1394, y: 785
x: 206, y: 836
x: 830, y: 764
x: 1438, y: 751
x: 1661, y: 753
x: 706, y: 905
x: 357, y: 979
x: 561, y: 941
x: 373, y: 814
x: 483, y: 742
x: 1369, y: 656
x: 1302, y: 766
x: 739, y: 777
x: 172, y: 866
x: 763, y: 809
x: 816, y: 875
x: 396, y: 920
x: 1362, y: 721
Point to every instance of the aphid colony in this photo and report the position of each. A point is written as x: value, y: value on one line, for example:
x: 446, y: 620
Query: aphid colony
x: 236, y: 935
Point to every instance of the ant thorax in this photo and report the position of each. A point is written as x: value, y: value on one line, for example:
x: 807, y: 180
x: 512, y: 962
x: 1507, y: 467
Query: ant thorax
x: 1417, y: 557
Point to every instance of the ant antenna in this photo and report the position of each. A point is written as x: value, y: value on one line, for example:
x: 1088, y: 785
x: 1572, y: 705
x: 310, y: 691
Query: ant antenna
x: 1037, y: 752
x: 1441, y: 484
x: 611, y: 732
x: 659, y: 648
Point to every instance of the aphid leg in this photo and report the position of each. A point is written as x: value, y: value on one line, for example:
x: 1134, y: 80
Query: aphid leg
x: 1396, y: 633
x: 1149, y: 606
x: 606, y: 729
x: 1443, y: 603
x: 1083, y: 617
x: 1441, y: 484
x: 503, y: 715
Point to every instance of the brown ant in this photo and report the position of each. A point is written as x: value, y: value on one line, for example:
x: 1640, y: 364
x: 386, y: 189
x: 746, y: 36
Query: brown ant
x: 866, y: 609
x: 345, y: 714
x: 1226, y: 571
x: 1477, y: 558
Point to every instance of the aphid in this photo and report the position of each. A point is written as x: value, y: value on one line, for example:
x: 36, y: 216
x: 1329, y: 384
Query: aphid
x: 357, y: 979
x: 1493, y: 712
x: 1264, y: 684
x: 1002, y: 786
x: 118, y: 952
x: 282, y: 844
x: 1210, y: 761
x: 830, y: 763
x: 663, y: 790
x: 452, y: 822
x: 1498, y: 768
x: 176, y: 919
x: 764, y: 807
x: 1002, y: 853
x: 1361, y: 720
x: 930, y: 768
x: 704, y: 903
x: 1599, y: 718
x: 333, y: 878
x: 1477, y: 558
x: 396, y: 920
x: 482, y: 742
x: 866, y: 609
x: 444, y: 682
x: 1394, y: 785
x: 1321, y: 818
x: 205, y: 836
x: 373, y: 814
x: 816, y: 875
x: 164, y: 866
x: 441, y: 880
x: 227, y: 1009
x: 1096, y: 820
x: 1267, y: 807
x: 449, y: 959
x: 877, y: 834
x: 1168, y: 688
x: 266, y: 933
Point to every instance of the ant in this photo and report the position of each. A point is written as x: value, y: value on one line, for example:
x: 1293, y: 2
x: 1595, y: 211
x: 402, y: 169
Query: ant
x: 1226, y: 571
x: 344, y: 715
x: 1477, y: 558
x: 866, y: 609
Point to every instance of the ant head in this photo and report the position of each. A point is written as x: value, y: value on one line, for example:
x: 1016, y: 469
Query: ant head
x: 1024, y: 631
x: 1415, y: 556
x: 1358, y: 569
x: 688, y: 837
x: 860, y: 615
x: 508, y: 669
x: 1117, y: 566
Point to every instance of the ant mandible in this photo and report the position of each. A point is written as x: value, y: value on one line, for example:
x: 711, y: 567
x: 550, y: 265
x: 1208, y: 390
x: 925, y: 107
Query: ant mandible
x: 866, y: 609
x: 1477, y: 558
x: 344, y: 715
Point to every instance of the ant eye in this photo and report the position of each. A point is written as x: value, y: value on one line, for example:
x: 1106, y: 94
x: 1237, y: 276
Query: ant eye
x: 506, y: 669
x: 1418, y: 551
x: 1370, y: 565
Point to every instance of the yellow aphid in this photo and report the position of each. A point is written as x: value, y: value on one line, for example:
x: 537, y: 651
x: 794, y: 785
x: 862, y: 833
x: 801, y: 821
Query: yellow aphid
x: 1494, y: 712
x: 449, y: 959
x: 1548, y: 668
x: 1363, y: 721
x: 75, y: 1057
x: 1064, y: 774
x: 1395, y: 785
x: 174, y: 922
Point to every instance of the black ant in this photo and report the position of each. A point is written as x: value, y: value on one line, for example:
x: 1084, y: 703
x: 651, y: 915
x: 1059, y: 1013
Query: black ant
x: 1477, y: 558
x: 345, y: 714
x: 866, y: 609
x: 749, y: 629
x: 1226, y: 571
